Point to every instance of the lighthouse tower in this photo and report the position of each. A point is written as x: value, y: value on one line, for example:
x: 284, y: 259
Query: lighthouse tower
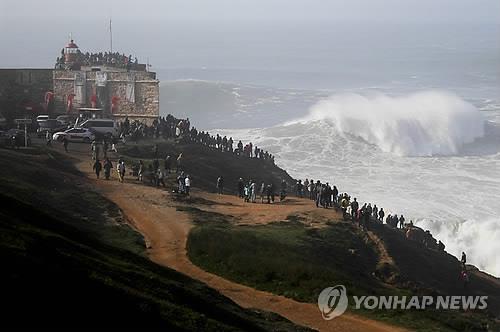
x: 71, y: 52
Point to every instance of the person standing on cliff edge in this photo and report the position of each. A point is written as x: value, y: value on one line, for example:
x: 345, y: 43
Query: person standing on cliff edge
x: 187, y: 184
x: 220, y: 185
x: 241, y: 187
x: 354, y: 209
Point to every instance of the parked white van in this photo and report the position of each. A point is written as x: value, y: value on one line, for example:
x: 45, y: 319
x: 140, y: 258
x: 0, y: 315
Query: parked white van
x: 42, y: 117
x: 101, y: 126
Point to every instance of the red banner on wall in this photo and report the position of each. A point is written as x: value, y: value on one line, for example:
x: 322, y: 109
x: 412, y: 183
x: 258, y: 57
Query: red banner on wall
x: 114, y: 104
x: 69, y: 102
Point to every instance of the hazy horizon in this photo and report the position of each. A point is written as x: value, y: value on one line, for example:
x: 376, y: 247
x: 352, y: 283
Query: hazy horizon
x: 239, y: 34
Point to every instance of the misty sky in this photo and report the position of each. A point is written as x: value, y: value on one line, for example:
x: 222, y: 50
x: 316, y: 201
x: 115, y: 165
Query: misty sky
x: 381, y: 10
x: 224, y: 33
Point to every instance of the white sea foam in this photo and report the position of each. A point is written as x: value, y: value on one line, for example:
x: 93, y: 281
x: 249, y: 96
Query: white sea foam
x: 421, y: 124
x: 479, y: 238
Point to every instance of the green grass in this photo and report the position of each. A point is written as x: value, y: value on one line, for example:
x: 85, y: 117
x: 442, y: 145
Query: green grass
x: 298, y: 262
x: 53, y: 185
x: 293, y: 265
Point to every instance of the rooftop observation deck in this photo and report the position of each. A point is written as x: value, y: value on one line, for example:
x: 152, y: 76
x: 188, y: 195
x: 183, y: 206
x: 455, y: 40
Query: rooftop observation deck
x: 73, y: 59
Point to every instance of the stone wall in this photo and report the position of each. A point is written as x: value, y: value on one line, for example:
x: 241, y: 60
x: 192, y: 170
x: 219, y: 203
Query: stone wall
x: 137, y: 93
x: 22, y: 91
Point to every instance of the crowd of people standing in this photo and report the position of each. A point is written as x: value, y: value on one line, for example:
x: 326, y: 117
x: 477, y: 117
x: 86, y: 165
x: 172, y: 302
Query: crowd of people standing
x: 112, y: 59
x: 327, y: 196
x: 171, y: 127
x: 250, y: 191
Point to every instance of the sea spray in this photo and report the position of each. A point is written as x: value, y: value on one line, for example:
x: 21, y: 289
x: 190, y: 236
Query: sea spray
x: 477, y: 237
x: 421, y: 124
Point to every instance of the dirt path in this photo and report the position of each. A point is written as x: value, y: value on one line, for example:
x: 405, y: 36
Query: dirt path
x: 256, y: 213
x: 152, y: 212
x: 384, y: 256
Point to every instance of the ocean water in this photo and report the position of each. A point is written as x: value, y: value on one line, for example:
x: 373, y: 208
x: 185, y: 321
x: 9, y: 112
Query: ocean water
x: 407, y: 117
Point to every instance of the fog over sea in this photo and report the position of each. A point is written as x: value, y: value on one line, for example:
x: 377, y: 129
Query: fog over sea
x: 404, y: 116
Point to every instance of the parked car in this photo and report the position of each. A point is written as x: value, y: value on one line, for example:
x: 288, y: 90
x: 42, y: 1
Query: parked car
x: 51, y: 125
x: 75, y: 135
x: 66, y: 119
x: 101, y: 126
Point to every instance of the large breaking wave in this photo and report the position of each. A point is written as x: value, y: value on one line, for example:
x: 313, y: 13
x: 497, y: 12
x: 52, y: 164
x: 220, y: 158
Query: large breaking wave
x: 421, y: 124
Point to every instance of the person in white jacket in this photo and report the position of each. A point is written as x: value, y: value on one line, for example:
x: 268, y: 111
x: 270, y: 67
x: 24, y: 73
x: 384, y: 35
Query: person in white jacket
x: 253, y: 189
x: 187, y: 184
x: 121, y: 170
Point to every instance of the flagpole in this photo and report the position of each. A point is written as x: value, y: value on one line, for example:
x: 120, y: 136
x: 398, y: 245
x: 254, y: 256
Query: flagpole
x: 110, y: 36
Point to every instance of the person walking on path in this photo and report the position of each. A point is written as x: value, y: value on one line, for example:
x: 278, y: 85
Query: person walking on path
x: 159, y: 178
x: 108, y: 166
x: 113, y: 145
x: 121, y: 170
x: 97, y: 167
